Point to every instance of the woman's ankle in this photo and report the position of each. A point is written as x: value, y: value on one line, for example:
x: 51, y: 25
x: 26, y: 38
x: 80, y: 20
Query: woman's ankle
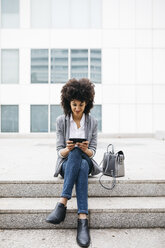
x: 63, y: 200
x: 82, y: 216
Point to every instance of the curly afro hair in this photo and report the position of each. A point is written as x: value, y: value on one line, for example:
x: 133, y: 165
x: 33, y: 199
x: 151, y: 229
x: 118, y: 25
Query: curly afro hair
x: 81, y: 90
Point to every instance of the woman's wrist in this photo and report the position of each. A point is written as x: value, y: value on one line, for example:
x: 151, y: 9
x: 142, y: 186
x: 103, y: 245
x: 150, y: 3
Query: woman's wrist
x: 89, y: 152
x: 64, y: 152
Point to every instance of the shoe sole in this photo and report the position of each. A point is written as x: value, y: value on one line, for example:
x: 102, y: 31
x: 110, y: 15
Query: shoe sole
x: 83, y: 245
x: 55, y: 223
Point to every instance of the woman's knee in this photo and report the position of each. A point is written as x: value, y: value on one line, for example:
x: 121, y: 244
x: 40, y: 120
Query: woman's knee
x: 76, y: 152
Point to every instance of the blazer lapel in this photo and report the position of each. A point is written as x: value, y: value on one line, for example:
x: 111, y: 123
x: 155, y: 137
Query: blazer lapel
x: 86, y: 126
x: 67, y: 127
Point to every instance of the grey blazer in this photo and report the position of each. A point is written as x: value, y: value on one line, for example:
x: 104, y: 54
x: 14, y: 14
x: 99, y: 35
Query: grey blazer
x: 62, y: 135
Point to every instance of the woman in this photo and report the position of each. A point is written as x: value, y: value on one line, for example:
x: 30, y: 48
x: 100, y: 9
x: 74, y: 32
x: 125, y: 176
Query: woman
x: 75, y: 160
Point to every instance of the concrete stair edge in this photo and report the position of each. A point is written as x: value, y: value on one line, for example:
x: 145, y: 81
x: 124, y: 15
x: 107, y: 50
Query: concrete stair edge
x: 91, y: 180
x: 52, y: 189
x: 103, y: 213
x: 141, y: 238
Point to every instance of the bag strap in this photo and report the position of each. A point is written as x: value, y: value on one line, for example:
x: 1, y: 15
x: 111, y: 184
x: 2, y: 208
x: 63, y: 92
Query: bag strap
x: 113, y: 182
x: 113, y: 176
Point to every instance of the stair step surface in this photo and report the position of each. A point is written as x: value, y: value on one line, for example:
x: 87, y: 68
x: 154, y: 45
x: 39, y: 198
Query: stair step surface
x: 105, y: 238
x: 105, y: 212
x: 49, y: 188
x: 94, y: 204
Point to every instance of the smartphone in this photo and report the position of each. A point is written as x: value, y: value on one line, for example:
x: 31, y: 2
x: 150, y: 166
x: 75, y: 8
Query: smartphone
x: 75, y: 140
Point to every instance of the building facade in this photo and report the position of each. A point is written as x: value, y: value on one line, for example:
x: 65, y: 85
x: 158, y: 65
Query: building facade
x: 119, y: 45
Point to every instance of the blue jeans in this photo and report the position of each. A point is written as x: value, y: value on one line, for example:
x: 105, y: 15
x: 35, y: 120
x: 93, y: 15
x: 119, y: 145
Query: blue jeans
x: 75, y: 170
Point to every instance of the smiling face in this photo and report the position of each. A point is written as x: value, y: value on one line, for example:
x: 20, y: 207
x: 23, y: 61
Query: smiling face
x: 77, y: 108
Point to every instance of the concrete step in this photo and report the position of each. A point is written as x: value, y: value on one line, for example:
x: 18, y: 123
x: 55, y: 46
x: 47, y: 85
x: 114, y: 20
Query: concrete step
x: 53, y: 188
x: 105, y: 238
x: 105, y: 212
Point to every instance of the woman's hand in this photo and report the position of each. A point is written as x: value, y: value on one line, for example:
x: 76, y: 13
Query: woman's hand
x: 70, y: 145
x: 83, y: 146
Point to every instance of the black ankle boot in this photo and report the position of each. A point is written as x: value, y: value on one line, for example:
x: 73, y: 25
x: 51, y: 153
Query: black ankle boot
x: 83, y: 237
x: 58, y: 214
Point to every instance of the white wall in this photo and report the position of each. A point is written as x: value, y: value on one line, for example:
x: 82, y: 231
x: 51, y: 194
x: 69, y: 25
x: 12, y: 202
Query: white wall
x: 133, y: 66
x: 132, y: 40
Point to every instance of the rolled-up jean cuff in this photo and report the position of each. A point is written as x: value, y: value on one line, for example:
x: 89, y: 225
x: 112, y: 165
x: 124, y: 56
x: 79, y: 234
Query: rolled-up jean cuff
x: 83, y: 212
x: 66, y: 196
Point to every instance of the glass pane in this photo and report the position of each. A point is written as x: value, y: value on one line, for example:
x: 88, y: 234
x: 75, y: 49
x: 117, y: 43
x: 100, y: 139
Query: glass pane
x: 41, y: 13
x: 96, y: 111
x: 55, y: 111
x: 95, y: 15
x: 59, y: 65
x: 39, y: 66
x: 79, y: 63
x: 60, y: 13
x: 79, y: 14
x: 9, y: 118
x: 9, y: 13
x: 95, y: 65
x: 10, y: 63
x: 39, y: 118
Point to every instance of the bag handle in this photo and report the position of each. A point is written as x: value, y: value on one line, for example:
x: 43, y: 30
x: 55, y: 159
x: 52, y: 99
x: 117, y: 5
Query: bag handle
x: 107, y: 152
x: 112, y: 148
x: 113, y: 182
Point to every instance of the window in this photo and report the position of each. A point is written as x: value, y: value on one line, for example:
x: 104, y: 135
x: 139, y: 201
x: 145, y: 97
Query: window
x: 9, y: 118
x: 10, y: 63
x: 66, y: 13
x: 96, y: 111
x: 95, y: 65
x: 55, y: 111
x: 39, y: 118
x: 40, y: 13
x: 79, y: 63
x: 95, y: 15
x: 80, y: 13
x: 59, y: 65
x: 60, y: 14
x: 60, y: 70
x: 9, y: 13
x: 39, y: 66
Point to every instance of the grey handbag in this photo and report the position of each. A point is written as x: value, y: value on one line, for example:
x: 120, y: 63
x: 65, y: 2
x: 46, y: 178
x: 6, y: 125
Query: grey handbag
x: 113, y: 165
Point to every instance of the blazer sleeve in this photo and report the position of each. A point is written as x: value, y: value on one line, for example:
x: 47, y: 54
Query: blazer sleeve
x: 93, y: 141
x: 60, y: 133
